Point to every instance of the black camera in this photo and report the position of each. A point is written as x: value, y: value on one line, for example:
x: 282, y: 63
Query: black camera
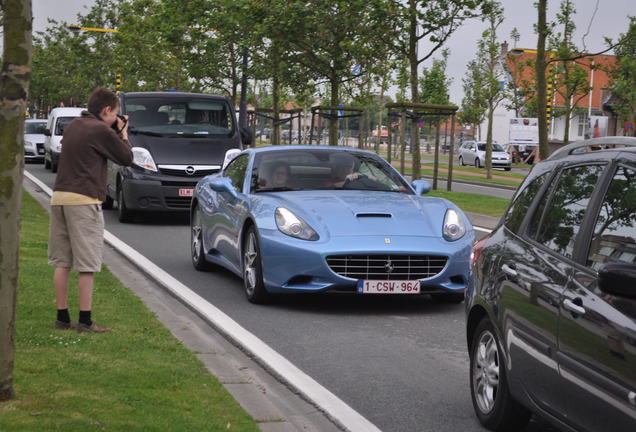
x: 124, y: 120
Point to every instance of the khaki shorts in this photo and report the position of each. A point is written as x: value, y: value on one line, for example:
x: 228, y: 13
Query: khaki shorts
x: 76, y: 237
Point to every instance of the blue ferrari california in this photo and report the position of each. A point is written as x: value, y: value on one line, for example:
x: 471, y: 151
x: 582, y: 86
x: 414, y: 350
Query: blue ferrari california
x: 311, y: 219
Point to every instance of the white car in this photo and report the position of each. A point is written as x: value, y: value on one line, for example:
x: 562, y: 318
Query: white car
x: 59, y: 118
x: 34, y: 139
x: 474, y: 153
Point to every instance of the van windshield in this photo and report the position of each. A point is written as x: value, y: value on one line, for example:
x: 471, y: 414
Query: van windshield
x: 174, y: 116
x: 61, y: 124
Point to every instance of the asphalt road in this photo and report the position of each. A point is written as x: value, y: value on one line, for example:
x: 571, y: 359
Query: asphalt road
x: 400, y: 362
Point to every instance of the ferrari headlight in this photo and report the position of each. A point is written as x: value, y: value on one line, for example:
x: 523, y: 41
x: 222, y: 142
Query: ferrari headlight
x: 143, y: 159
x: 290, y: 224
x: 454, y: 227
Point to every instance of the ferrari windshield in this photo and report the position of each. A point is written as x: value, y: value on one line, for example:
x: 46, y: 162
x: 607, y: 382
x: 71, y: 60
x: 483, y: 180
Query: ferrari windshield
x: 315, y: 169
x: 179, y: 116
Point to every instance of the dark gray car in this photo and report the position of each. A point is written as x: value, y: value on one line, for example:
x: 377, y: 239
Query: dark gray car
x: 551, y: 304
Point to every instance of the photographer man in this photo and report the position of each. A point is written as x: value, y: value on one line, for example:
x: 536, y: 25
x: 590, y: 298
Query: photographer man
x: 77, y: 225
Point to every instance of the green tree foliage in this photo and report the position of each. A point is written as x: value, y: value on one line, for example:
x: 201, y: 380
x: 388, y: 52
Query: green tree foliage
x: 489, y: 52
x: 434, y: 83
x: 68, y: 65
x: 624, y: 75
x: 427, y: 23
x: 571, y: 78
x: 473, y: 110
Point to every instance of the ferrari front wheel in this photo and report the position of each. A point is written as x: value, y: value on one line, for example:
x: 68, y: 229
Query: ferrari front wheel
x: 255, y: 290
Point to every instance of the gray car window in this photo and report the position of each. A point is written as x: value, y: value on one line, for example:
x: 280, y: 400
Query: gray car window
x: 520, y: 205
x: 614, y: 238
x: 560, y: 223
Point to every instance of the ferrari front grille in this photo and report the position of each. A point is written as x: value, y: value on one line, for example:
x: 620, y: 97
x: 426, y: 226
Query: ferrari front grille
x: 387, y: 267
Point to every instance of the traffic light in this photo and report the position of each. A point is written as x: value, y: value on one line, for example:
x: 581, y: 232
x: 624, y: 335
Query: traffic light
x: 118, y: 82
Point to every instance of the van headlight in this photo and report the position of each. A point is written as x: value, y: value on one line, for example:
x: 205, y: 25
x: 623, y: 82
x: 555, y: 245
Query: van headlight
x: 143, y: 159
x: 290, y: 224
x: 454, y: 227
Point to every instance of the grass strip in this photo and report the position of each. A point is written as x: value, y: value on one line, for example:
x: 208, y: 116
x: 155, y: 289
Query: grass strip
x: 458, y: 176
x: 136, y: 378
x: 482, y: 204
x: 480, y: 171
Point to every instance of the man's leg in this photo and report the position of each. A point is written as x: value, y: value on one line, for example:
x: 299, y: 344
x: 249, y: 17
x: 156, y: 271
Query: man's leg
x: 60, y: 280
x: 85, y: 291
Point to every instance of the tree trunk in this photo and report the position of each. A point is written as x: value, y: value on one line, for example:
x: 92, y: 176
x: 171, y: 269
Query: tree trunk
x: 378, y: 138
x: 333, y: 122
x: 491, y: 112
x: 413, y: 60
x: 540, y: 68
x: 14, y: 86
x: 275, y: 136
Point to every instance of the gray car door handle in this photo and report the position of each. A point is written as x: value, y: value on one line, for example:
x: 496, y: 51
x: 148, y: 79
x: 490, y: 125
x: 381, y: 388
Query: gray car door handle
x: 573, y: 307
x: 507, y: 269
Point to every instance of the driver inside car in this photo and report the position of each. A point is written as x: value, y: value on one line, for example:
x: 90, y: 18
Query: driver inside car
x: 343, y: 171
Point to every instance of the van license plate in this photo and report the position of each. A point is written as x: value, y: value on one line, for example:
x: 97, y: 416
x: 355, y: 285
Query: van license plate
x: 185, y: 192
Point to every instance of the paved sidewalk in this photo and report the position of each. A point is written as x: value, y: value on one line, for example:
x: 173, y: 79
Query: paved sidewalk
x: 482, y: 221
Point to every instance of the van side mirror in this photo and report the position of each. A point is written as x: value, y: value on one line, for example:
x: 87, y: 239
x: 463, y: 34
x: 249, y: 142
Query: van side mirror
x: 618, y: 279
x: 229, y: 157
x: 421, y: 187
x: 246, y: 136
x: 47, y: 132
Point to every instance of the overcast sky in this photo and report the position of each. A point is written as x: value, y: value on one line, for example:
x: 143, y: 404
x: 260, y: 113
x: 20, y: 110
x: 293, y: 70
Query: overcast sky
x: 608, y: 19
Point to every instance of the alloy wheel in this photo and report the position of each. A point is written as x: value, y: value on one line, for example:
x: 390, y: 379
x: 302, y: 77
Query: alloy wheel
x: 196, y: 236
x: 486, y: 372
x: 250, y: 257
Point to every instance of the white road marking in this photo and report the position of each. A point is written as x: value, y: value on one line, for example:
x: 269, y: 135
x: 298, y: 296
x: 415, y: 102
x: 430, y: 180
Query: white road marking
x: 486, y: 230
x: 333, y: 406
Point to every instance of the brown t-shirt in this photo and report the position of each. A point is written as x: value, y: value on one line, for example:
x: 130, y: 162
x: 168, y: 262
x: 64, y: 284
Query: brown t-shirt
x: 86, y: 145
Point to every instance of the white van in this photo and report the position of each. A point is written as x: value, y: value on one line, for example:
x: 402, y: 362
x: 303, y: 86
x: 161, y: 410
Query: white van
x: 59, y: 118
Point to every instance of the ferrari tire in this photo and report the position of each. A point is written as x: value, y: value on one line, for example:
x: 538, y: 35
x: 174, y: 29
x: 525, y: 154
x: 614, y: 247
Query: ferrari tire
x: 197, y: 252
x: 255, y: 290
x: 494, y: 406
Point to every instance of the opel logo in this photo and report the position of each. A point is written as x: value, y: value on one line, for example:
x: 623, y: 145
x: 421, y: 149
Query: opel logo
x: 190, y: 170
x: 388, y: 267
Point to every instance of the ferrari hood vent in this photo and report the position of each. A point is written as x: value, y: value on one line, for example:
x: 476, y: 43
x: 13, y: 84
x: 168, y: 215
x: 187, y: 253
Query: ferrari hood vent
x: 374, y: 215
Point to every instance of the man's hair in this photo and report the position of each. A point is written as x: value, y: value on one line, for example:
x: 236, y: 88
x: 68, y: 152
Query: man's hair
x: 101, y: 98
